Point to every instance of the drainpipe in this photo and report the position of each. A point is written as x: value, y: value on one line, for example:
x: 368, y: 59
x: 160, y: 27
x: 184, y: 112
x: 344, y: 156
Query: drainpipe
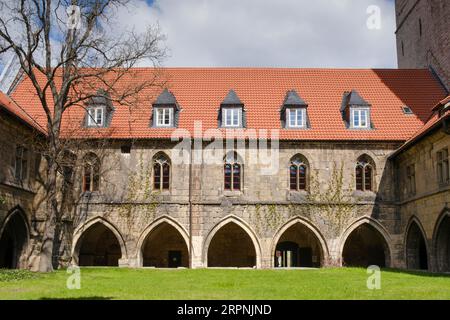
x: 190, y: 203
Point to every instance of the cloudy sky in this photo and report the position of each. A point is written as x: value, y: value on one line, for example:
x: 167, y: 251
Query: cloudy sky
x: 270, y: 33
x: 276, y: 33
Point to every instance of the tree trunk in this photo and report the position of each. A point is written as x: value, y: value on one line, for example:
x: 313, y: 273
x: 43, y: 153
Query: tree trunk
x: 47, y: 245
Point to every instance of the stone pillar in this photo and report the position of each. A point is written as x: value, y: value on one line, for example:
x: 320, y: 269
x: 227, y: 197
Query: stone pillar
x: 196, y: 254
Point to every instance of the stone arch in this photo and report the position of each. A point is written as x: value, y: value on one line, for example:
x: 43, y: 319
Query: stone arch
x: 164, y: 222
x: 14, y: 238
x: 310, y: 229
x: 83, y: 230
x: 356, y: 250
x: 416, y: 247
x: 232, y: 221
x: 441, y: 242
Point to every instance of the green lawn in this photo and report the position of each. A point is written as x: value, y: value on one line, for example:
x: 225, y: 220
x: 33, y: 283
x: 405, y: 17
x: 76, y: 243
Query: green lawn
x: 123, y: 283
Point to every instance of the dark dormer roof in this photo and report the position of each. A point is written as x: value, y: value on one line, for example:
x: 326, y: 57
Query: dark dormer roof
x: 231, y: 99
x: 101, y: 97
x: 166, y: 98
x: 293, y: 99
x: 353, y: 98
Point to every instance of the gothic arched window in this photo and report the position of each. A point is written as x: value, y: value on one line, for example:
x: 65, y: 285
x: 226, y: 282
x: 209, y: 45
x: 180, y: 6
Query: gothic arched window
x: 364, y: 173
x: 91, y: 173
x: 161, y: 172
x: 232, y: 172
x: 298, y: 173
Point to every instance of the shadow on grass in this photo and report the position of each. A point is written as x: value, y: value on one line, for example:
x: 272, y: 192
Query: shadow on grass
x: 422, y: 273
x: 79, y: 298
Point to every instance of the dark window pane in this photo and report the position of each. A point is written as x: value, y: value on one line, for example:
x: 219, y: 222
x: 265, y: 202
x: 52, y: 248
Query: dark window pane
x: 293, y: 177
x: 236, y: 177
x: 96, y: 181
x: 87, y: 178
x: 302, y: 178
x: 157, y: 176
x: 368, y: 178
x: 227, y: 176
x: 359, y: 178
x: 166, y: 176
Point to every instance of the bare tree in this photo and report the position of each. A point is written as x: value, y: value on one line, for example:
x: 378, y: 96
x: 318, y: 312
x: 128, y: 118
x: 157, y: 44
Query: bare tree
x: 69, y: 50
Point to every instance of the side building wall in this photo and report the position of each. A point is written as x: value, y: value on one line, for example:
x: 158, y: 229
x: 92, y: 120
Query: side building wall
x: 428, y: 206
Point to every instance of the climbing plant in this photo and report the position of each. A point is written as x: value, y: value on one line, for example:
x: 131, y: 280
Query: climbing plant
x: 332, y: 203
x: 139, y: 195
x: 266, y: 218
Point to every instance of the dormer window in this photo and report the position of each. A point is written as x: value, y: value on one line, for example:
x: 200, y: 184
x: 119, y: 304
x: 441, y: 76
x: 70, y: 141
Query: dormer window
x: 99, y: 110
x: 231, y: 112
x: 355, y: 111
x: 231, y: 117
x: 165, y: 110
x: 360, y: 118
x: 296, y: 117
x: 96, y: 116
x: 293, y: 112
x: 164, y: 117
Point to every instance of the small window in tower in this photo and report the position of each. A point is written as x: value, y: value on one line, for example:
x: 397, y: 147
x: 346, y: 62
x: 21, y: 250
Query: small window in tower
x: 125, y: 149
x: 420, y: 27
x: 403, y: 49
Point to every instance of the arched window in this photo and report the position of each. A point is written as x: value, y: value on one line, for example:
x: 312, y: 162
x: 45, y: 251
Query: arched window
x: 298, y: 173
x: 364, y: 173
x: 91, y: 173
x: 161, y: 172
x: 232, y: 172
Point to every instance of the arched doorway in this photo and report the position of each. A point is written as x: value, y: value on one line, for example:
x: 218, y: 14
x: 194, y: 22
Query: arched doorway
x: 443, y: 245
x: 298, y: 246
x: 13, y: 242
x: 416, y: 248
x: 231, y: 246
x: 165, y: 247
x: 99, y: 247
x: 365, y: 246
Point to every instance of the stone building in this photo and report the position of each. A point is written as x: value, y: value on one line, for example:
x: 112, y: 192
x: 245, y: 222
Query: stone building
x: 313, y: 175
x: 423, y: 36
x: 247, y: 167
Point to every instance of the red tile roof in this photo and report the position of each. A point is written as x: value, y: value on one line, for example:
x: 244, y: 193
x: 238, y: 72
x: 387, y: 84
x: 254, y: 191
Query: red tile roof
x: 10, y: 106
x: 199, y: 92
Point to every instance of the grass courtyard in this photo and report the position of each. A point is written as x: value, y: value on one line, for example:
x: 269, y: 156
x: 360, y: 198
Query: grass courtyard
x: 123, y: 283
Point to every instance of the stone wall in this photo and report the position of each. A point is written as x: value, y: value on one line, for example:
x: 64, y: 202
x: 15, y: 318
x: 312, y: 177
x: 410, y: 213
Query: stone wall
x: 18, y: 197
x: 264, y: 209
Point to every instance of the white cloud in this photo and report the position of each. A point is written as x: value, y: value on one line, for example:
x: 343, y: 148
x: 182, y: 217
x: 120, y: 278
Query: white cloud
x: 282, y: 33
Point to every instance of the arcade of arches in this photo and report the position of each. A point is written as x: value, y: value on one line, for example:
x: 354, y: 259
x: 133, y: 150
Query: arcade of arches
x: 165, y: 247
x: 13, y: 242
x: 232, y: 246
